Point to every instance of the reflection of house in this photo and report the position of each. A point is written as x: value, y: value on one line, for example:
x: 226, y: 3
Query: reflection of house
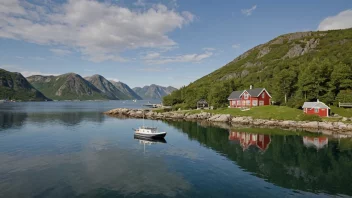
x: 317, y: 142
x: 249, y: 98
x: 250, y: 139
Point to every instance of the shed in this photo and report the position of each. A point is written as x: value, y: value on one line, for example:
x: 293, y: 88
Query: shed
x: 202, y: 104
x: 317, y: 108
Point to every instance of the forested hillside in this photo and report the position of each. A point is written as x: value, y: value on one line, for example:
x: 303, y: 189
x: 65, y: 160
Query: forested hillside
x: 302, y: 66
x: 16, y: 87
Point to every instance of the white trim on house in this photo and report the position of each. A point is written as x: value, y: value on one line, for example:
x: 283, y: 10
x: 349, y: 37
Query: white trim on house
x: 265, y: 91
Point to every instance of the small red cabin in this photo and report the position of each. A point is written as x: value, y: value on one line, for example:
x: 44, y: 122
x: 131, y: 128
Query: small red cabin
x: 249, y: 98
x: 316, y: 108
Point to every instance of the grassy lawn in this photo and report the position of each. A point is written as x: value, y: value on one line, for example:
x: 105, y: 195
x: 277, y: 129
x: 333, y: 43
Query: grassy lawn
x: 345, y: 112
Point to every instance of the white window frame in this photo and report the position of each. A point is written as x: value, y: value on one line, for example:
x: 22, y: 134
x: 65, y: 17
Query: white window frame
x: 316, y: 110
x: 261, y: 103
x: 246, y: 96
x: 255, y: 102
x: 263, y: 95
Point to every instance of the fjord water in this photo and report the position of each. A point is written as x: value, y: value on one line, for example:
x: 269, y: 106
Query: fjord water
x: 71, y: 149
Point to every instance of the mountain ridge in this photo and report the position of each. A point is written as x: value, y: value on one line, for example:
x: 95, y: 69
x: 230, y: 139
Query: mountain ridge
x: 15, y: 86
x: 69, y: 86
x: 153, y: 91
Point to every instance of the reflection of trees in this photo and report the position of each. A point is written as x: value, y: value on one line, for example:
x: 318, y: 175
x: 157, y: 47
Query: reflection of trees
x: 68, y: 118
x: 16, y: 119
x: 11, y: 119
x: 286, y: 163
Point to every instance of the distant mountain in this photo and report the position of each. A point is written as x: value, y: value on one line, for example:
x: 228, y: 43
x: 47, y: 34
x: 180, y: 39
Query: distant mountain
x: 14, y: 86
x: 69, y: 86
x: 126, y: 90
x: 153, y: 91
x: 107, y: 87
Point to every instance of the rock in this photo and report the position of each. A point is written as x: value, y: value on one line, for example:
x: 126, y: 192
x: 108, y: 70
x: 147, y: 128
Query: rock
x: 204, y: 115
x: 241, y: 120
x: 295, y: 51
x: 230, y: 76
x: 191, y: 116
x: 220, y: 118
x: 326, y: 125
x: 264, y: 51
x: 244, y: 73
x: 279, y: 40
x: 344, y: 119
x: 312, y: 125
x: 297, y: 35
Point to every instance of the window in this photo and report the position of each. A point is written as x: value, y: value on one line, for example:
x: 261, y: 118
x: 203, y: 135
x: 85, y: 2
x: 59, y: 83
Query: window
x: 238, y: 102
x: 263, y: 95
x: 245, y: 96
x: 261, y: 103
x: 316, y: 110
x: 255, y: 103
x: 248, y: 102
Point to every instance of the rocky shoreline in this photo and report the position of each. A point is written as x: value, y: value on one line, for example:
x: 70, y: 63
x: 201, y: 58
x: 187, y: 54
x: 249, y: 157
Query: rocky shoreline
x: 312, y: 126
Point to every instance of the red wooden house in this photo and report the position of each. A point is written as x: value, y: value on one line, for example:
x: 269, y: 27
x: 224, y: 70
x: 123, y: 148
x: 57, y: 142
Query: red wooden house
x: 249, y: 98
x: 317, y: 108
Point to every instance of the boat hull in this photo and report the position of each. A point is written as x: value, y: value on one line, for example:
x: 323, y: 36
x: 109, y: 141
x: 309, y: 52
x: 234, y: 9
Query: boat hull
x: 151, y: 135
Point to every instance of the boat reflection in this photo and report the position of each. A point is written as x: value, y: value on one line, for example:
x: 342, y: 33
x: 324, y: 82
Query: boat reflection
x: 149, y: 141
x: 247, y: 140
x: 317, y: 142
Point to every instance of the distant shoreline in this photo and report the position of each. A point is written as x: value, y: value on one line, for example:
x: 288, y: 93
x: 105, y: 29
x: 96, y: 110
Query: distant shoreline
x: 328, y: 128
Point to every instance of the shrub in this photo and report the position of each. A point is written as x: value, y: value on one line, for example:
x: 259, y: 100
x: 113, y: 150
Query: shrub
x: 307, y: 117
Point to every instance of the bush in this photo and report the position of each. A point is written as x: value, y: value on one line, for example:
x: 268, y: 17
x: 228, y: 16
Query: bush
x: 307, y: 117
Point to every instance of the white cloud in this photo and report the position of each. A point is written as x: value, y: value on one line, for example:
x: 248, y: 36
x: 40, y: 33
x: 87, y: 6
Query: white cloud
x: 342, y: 20
x: 190, y: 58
x: 236, y: 46
x: 100, y: 31
x: 114, y: 79
x: 32, y: 73
x: 208, y: 49
x: 61, y: 52
x: 151, y: 55
x: 249, y: 11
x: 154, y: 69
x: 38, y: 58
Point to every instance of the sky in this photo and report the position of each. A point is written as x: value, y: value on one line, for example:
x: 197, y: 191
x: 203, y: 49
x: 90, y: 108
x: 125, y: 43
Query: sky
x: 143, y: 42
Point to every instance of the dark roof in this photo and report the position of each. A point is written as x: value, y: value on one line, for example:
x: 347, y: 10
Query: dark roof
x: 315, y: 105
x: 202, y: 101
x: 255, y: 92
x: 235, y: 95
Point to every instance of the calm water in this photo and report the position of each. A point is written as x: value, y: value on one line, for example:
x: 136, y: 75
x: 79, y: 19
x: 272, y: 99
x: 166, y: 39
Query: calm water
x: 70, y: 149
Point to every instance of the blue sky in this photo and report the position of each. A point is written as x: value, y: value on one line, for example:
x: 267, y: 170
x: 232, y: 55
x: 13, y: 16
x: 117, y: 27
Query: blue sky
x: 142, y: 42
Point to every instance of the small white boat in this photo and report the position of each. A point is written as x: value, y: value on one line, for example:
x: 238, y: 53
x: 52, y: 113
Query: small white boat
x: 149, y: 132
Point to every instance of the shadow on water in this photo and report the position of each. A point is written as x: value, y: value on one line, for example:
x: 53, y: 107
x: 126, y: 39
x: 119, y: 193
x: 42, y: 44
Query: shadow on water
x: 309, y: 163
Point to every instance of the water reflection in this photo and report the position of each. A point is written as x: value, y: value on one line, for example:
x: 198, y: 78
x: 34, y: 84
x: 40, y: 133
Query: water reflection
x: 18, y: 119
x: 12, y: 120
x: 287, y: 161
x: 246, y: 140
x: 317, y: 142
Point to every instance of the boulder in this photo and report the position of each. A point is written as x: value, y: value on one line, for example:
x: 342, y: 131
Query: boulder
x: 326, y: 125
x: 311, y: 125
x: 220, y: 118
x: 344, y: 119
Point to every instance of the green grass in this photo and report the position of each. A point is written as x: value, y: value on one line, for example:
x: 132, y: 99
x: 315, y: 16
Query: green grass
x: 263, y: 112
x: 345, y: 112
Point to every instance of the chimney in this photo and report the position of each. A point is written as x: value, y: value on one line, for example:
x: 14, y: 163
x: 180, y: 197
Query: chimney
x: 318, y: 100
x: 251, y: 87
